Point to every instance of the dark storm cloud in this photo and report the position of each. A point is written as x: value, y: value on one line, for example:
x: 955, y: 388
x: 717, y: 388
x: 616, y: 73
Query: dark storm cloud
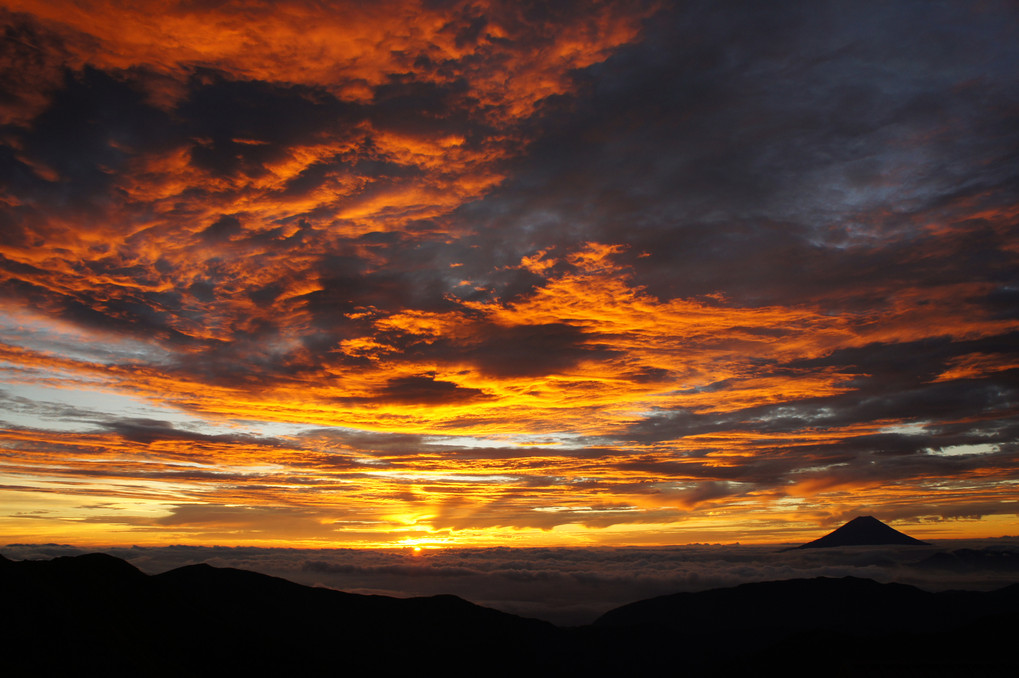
x: 426, y: 390
x: 240, y: 126
x: 222, y: 229
x: 532, y: 350
x: 31, y: 58
x: 91, y: 128
x: 421, y: 108
x: 348, y: 284
x: 888, y: 381
x: 517, y: 351
x: 880, y: 365
x: 781, y: 152
x: 141, y: 315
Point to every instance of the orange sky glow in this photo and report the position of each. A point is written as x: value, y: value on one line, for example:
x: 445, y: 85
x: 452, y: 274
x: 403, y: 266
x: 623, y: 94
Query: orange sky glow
x: 411, y: 273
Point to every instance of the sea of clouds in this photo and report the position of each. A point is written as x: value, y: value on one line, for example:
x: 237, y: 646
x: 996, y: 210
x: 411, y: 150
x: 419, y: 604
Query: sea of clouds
x: 573, y: 586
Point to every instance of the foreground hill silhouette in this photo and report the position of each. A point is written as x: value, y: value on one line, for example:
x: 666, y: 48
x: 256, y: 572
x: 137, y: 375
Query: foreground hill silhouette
x: 863, y: 531
x: 96, y: 614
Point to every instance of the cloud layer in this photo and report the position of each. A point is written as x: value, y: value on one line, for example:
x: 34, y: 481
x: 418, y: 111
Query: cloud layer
x: 571, y: 586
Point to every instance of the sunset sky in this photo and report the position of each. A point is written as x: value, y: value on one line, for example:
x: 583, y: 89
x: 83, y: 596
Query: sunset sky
x: 478, y: 273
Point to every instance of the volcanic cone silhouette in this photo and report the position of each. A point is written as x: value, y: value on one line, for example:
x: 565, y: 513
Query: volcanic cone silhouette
x: 863, y: 531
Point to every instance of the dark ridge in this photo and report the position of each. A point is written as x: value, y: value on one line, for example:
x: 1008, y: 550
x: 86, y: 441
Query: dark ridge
x: 863, y: 531
x: 794, y: 604
x: 1011, y: 591
x: 96, y: 614
x: 70, y: 575
x: 101, y: 613
x: 963, y: 561
x: 822, y: 626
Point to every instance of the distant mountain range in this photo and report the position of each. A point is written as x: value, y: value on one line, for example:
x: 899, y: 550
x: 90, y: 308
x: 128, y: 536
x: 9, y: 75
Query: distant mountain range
x: 863, y: 531
x: 964, y: 561
x: 98, y: 615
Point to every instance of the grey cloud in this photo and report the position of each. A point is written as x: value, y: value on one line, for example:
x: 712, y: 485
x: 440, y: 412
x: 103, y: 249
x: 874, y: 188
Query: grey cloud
x: 240, y: 126
x: 144, y: 430
x: 888, y: 381
x: 222, y: 229
x: 14, y: 403
x: 531, y: 350
x: 426, y: 390
x: 92, y: 126
x: 751, y: 149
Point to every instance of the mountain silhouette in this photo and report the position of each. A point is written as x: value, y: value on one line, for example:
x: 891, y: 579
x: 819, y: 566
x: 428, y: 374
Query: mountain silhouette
x: 821, y: 626
x: 97, y: 612
x: 779, y: 607
x: 863, y: 531
x: 98, y: 615
x: 963, y: 561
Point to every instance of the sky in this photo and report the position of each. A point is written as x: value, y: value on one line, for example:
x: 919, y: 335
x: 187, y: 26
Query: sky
x: 465, y: 273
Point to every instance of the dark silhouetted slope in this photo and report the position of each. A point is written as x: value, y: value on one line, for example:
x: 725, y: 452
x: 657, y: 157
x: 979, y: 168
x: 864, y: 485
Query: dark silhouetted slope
x: 846, y: 603
x: 99, y: 613
x: 826, y: 626
x: 863, y: 531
